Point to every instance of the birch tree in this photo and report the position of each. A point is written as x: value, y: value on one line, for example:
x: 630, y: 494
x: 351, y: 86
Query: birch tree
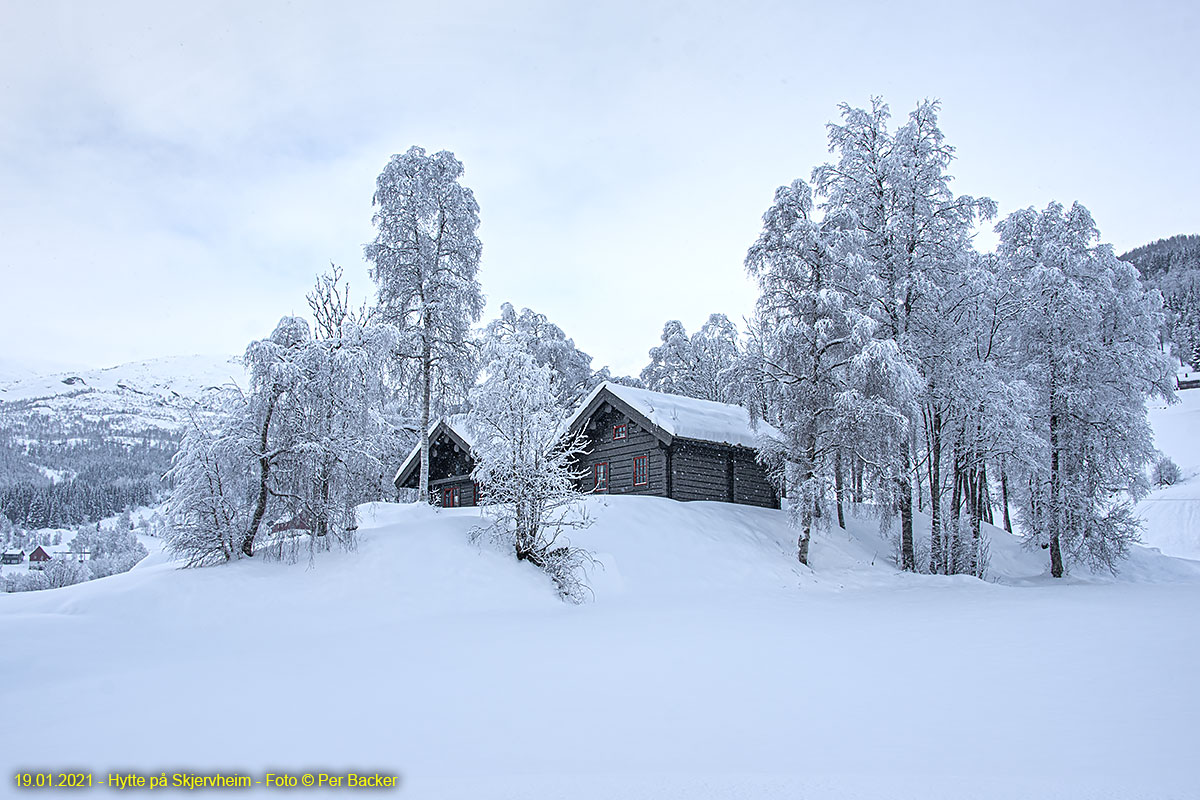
x: 1088, y: 333
x: 807, y: 330
x: 525, y: 467
x: 896, y: 188
x: 425, y: 260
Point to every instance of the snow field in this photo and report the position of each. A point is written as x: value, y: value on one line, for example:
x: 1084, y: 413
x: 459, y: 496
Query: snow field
x: 708, y: 665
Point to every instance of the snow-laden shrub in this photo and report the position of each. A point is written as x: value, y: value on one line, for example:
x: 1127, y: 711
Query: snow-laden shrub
x: 525, y: 467
x: 24, y: 581
x: 65, y: 572
x: 1165, y: 472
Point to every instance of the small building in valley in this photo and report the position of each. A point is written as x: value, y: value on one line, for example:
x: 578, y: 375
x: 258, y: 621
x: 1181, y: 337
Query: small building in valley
x: 652, y: 443
x: 450, y: 464
x: 38, y: 558
x: 14, y: 556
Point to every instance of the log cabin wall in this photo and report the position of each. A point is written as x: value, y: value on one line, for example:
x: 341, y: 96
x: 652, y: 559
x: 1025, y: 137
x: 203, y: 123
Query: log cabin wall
x: 619, y: 455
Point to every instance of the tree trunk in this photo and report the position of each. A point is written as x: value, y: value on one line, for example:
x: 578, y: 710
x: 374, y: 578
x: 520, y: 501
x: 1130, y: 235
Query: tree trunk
x: 908, y: 561
x: 426, y: 397
x: 838, y: 491
x: 937, y: 546
x: 976, y: 505
x: 1004, y: 496
x: 1056, y: 562
x: 264, y: 473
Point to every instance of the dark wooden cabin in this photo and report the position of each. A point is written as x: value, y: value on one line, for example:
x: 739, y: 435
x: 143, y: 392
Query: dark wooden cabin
x: 652, y: 443
x: 450, y: 465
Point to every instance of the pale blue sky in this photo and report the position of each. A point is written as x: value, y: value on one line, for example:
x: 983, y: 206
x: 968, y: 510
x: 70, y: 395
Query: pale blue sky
x: 172, y: 176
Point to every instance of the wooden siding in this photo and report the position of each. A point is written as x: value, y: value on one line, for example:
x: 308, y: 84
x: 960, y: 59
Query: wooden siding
x: 685, y: 470
x: 464, y: 484
x: 449, y: 465
x: 619, y: 455
x: 701, y: 472
x: 750, y: 484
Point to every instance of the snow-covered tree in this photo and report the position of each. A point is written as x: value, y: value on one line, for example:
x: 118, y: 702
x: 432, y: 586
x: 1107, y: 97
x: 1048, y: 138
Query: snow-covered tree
x: 896, y: 189
x: 425, y: 258
x: 570, y: 368
x: 807, y: 331
x: 524, y: 465
x: 1088, y: 333
x: 208, y: 510
x: 273, y: 407
x: 696, y: 366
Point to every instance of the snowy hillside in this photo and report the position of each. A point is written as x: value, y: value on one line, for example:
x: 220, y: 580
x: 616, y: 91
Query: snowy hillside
x: 1172, y: 514
x: 709, y: 665
x: 144, y: 394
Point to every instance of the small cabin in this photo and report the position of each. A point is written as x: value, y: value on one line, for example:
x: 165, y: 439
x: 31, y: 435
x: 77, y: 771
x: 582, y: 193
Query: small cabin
x: 450, y: 465
x: 13, y: 557
x: 665, y: 445
x: 38, y: 558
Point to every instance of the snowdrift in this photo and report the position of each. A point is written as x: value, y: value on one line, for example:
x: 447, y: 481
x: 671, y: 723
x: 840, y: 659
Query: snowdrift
x: 710, y: 664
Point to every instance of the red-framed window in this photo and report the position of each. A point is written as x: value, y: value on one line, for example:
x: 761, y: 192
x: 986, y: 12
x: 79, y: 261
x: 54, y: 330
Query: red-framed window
x: 600, y: 477
x: 641, y: 470
x: 620, y: 431
x: 450, y: 497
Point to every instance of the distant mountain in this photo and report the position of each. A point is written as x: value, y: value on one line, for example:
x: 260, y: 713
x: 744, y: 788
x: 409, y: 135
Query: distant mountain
x: 1165, y: 255
x: 154, y: 395
x: 80, y: 445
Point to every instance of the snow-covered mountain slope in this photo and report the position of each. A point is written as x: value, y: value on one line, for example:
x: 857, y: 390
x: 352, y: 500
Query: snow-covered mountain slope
x: 709, y: 665
x: 1172, y: 514
x: 155, y: 394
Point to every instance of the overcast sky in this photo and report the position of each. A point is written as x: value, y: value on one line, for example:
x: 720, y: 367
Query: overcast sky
x: 173, y: 176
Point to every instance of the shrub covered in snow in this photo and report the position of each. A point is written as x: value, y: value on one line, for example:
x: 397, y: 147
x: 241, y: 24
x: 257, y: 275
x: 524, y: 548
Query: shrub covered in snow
x: 1165, y: 472
x: 524, y: 467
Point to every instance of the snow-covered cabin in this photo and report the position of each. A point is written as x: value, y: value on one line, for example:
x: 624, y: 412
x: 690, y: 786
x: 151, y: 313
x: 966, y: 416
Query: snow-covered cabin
x: 645, y: 442
x: 12, y: 557
x: 38, y: 558
x: 450, y: 464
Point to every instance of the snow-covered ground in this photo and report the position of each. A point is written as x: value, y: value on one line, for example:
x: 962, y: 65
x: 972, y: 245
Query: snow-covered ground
x: 1172, y: 513
x: 708, y: 665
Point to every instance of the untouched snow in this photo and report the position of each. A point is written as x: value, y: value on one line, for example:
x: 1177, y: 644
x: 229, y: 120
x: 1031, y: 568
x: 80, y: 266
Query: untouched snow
x: 1172, y: 513
x: 687, y: 417
x: 709, y: 665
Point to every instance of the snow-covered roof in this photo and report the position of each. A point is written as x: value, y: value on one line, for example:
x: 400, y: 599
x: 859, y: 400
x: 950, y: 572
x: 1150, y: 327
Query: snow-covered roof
x: 14, y: 552
x: 684, y: 417
x: 455, y: 423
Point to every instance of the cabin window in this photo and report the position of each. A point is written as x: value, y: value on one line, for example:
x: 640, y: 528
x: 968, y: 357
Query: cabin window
x: 450, y: 497
x: 600, y: 477
x: 641, y: 471
x: 620, y: 431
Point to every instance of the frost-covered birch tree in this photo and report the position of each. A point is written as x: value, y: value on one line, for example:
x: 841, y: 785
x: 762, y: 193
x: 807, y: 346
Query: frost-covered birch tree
x: 571, y: 372
x: 425, y: 260
x: 696, y: 366
x: 524, y: 465
x: 896, y: 188
x: 807, y: 332
x: 1088, y: 334
x: 208, y: 510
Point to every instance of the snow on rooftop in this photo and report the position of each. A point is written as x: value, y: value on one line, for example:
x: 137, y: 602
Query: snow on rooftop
x: 455, y: 422
x: 687, y: 417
